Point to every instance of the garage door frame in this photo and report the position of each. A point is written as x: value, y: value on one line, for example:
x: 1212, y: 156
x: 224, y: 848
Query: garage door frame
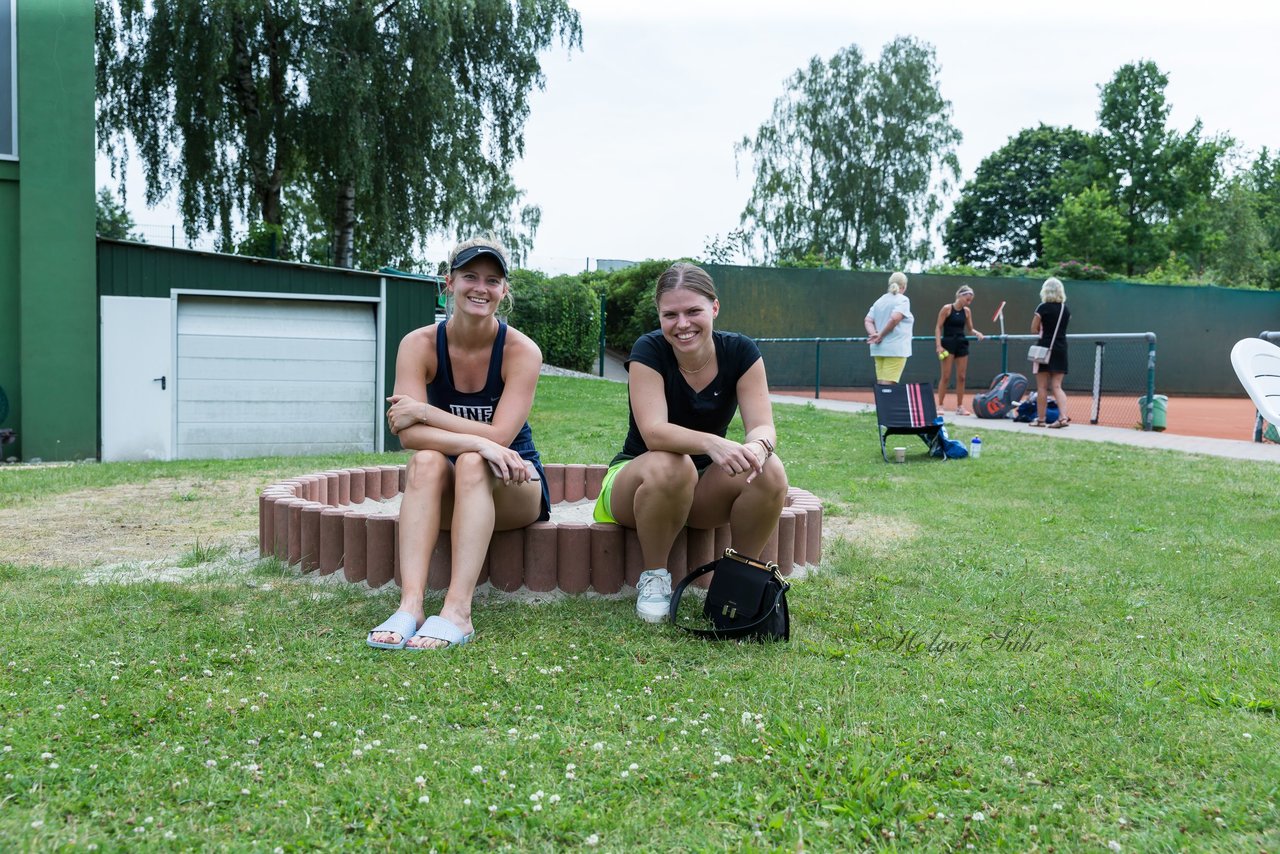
x: 380, y: 301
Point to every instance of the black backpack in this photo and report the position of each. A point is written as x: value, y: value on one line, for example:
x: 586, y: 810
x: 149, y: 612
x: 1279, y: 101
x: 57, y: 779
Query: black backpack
x: 1005, y: 392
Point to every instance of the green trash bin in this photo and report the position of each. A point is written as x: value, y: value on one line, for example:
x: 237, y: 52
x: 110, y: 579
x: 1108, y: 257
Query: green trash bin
x: 1159, y: 413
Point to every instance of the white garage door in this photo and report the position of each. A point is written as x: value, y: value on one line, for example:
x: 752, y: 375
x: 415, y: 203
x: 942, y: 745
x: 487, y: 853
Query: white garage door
x: 260, y: 377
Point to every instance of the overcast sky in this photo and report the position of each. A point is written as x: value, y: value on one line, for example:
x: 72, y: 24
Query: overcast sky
x: 629, y: 150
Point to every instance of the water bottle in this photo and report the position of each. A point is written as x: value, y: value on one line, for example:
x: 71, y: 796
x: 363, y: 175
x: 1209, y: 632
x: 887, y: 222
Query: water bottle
x: 975, y: 447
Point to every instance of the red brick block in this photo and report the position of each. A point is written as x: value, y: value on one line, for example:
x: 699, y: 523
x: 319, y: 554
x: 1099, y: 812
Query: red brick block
x: 356, y: 478
x: 331, y: 539
x: 541, y: 557
x: 813, y: 532
x: 608, y: 556
x: 344, y: 488
x: 333, y: 488
x: 309, y: 556
x: 595, y: 478
x: 403, y: 478
x: 555, y: 482
x: 280, y: 540
x: 440, y: 563
x: 574, y: 544
x: 786, y: 532
x: 355, y: 561
x: 507, y: 559
x: 295, y: 531
x: 802, y: 541
x: 575, y: 482
x: 373, y: 483
x: 380, y: 550
x: 390, y: 481
x: 634, y: 561
x: 266, y: 524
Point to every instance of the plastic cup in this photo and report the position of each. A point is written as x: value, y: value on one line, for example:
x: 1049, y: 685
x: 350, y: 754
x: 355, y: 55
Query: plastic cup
x: 900, y: 455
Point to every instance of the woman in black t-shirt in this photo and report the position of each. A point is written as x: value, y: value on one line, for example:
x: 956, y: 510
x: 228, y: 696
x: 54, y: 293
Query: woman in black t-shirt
x: 676, y: 466
x: 1050, y: 322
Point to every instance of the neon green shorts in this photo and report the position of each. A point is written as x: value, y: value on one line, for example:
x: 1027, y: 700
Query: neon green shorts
x: 889, y: 368
x: 604, y: 511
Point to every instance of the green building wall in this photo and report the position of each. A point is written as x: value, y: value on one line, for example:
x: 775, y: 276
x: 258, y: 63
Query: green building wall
x: 48, y: 310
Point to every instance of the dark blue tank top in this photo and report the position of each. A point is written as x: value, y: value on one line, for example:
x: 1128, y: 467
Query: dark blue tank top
x: 480, y: 405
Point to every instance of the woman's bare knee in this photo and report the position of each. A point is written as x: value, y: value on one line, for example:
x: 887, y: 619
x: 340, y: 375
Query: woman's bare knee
x: 472, y: 470
x: 426, y: 468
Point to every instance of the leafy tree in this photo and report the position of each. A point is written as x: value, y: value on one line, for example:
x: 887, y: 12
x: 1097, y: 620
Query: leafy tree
x: 400, y: 118
x: 114, y: 219
x: 1155, y: 173
x: 855, y: 160
x: 1240, y: 256
x: 1086, y: 228
x: 1013, y: 191
x: 1264, y: 181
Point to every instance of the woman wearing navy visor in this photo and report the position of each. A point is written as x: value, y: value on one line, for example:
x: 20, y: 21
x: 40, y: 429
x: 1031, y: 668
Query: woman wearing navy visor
x: 463, y: 391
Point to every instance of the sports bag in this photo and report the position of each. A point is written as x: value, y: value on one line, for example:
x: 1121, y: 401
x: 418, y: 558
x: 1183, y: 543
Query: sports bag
x: 747, y: 599
x: 1003, y: 394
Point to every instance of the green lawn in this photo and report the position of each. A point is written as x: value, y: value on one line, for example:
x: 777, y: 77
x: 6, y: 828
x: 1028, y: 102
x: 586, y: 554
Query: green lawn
x: 1061, y: 646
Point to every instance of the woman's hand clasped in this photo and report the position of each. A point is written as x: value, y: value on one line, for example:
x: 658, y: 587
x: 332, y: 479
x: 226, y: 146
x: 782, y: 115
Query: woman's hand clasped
x: 507, y: 465
x: 736, y: 459
x: 405, y: 412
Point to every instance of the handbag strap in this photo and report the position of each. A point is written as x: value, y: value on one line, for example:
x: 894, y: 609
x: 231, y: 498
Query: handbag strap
x: 1062, y: 307
x: 737, y: 632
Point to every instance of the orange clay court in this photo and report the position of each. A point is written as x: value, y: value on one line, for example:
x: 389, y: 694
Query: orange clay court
x: 1208, y: 417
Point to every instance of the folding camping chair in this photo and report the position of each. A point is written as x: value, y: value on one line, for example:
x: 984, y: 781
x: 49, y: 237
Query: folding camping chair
x: 907, y: 409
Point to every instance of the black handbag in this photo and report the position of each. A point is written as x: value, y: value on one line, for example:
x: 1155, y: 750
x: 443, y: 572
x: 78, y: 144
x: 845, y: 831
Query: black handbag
x: 747, y: 599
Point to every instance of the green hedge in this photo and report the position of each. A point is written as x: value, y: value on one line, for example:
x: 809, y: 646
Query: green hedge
x: 562, y: 315
x: 630, y: 311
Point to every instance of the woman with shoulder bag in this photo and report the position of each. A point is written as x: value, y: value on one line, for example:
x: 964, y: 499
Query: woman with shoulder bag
x: 1050, y: 323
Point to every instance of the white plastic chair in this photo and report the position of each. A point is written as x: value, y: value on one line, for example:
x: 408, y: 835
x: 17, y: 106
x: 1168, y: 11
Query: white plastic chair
x: 1257, y: 364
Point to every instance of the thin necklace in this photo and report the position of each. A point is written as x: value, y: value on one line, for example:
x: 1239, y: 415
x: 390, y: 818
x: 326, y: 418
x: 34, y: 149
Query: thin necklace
x: 683, y: 369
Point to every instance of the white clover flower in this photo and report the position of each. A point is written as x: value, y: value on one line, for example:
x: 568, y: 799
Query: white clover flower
x: 599, y: 745
x: 1113, y: 845
x: 554, y: 799
x: 592, y: 840
x: 425, y: 799
x: 211, y: 763
x: 978, y: 816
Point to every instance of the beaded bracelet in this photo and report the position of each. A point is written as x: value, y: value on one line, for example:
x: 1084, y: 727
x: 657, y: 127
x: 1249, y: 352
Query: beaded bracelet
x: 768, y: 447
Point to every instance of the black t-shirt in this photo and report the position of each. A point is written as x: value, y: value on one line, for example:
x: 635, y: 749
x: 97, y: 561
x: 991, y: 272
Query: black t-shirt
x: 707, y: 411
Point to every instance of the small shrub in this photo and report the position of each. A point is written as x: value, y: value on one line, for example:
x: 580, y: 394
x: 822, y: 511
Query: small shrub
x: 1079, y: 270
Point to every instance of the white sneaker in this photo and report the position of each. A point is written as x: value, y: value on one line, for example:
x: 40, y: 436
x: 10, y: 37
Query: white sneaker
x: 654, y: 599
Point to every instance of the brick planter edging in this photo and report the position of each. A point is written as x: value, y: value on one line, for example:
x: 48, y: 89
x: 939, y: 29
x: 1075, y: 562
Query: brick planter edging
x: 310, y: 522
